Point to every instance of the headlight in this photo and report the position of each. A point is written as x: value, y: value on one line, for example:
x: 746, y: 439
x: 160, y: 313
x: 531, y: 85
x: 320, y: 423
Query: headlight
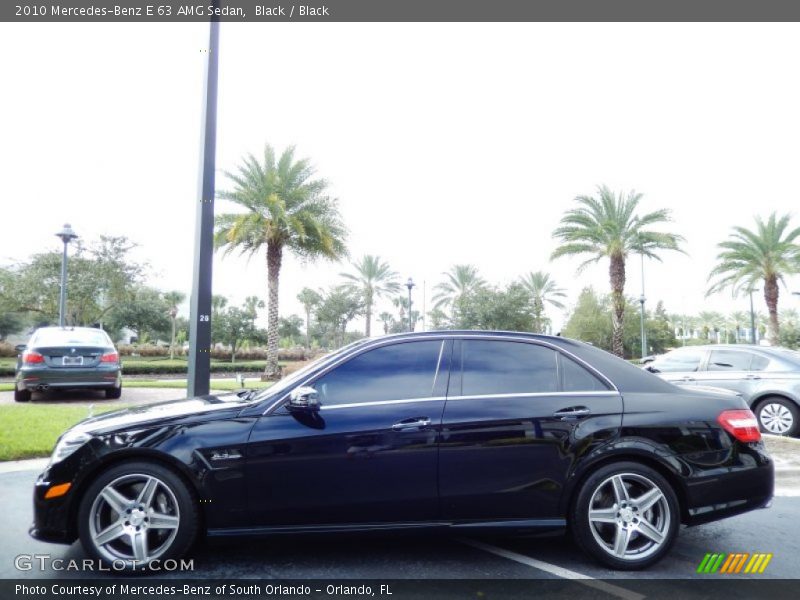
x: 69, y: 443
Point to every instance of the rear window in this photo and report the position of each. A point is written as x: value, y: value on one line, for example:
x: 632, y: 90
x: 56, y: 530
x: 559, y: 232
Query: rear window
x: 70, y: 337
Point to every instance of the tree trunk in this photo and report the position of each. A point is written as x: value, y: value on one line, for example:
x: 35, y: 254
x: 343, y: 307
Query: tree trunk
x: 308, y: 329
x: 771, y: 298
x: 369, y: 318
x: 616, y: 272
x: 172, y: 342
x: 272, y: 372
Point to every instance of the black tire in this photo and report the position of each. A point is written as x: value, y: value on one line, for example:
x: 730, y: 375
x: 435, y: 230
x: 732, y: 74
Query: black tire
x: 171, y: 499
x: 22, y: 395
x: 114, y: 393
x: 597, y: 537
x: 778, y: 416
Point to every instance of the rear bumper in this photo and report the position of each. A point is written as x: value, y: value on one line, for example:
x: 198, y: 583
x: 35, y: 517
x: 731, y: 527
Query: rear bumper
x: 95, y: 377
x: 733, y: 490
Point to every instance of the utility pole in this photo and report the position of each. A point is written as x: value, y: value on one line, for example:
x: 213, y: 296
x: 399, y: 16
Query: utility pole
x: 200, y: 302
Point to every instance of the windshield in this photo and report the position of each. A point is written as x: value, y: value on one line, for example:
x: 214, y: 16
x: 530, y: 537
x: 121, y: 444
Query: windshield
x: 70, y: 337
x: 288, y: 381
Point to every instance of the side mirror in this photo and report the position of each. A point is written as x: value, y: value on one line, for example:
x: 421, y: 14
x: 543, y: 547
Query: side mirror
x: 20, y: 348
x: 304, y: 399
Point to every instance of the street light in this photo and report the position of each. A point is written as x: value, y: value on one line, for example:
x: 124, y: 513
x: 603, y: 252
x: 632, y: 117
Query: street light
x: 642, y: 301
x: 410, y: 284
x: 66, y: 235
x: 752, y: 317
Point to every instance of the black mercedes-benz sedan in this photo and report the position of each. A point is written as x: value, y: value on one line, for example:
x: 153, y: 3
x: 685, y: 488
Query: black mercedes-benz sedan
x: 461, y: 430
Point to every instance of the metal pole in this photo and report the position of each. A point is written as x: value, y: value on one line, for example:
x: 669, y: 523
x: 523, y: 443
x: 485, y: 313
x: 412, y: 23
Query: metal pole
x: 200, y: 303
x: 410, y: 324
x: 752, y: 320
x: 642, y: 300
x: 62, y: 303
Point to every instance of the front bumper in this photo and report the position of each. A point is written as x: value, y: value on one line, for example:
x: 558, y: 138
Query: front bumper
x: 51, y: 516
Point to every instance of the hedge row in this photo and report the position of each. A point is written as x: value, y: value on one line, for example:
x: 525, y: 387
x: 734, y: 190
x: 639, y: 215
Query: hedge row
x: 167, y: 369
x: 148, y: 350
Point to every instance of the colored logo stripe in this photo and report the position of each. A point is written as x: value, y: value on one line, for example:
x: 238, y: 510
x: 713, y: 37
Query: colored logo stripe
x: 734, y: 563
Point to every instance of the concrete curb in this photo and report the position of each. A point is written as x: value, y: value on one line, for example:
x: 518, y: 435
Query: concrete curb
x: 781, y: 438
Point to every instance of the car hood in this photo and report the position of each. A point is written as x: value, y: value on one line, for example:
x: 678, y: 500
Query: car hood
x: 162, y: 411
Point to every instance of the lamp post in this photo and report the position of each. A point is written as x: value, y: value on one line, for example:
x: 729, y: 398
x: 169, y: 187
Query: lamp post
x: 641, y: 303
x: 752, y: 317
x: 67, y: 235
x: 410, y: 284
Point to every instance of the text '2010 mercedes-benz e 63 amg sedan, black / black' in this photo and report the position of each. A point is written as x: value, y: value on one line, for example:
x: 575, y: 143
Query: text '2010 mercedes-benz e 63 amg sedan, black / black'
x: 459, y: 430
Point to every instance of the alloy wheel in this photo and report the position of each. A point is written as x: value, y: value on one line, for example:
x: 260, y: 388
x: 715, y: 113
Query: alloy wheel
x: 134, y: 518
x: 629, y: 516
x: 776, y: 418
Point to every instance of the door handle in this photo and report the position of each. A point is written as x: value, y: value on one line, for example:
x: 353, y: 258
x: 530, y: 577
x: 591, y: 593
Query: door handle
x: 752, y: 377
x: 573, y: 412
x: 413, y: 423
x: 687, y: 378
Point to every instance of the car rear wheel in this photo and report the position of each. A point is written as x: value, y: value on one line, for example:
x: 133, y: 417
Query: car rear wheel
x: 114, y: 393
x: 135, y: 513
x: 778, y: 416
x: 626, y: 516
x: 22, y: 395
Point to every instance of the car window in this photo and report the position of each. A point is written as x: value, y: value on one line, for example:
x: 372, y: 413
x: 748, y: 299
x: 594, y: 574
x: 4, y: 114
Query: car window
x: 67, y: 337
x: 494, y: 367
x: 678, y: 360
x: 402, y: 371
x: 576, y: 378
x: 759, y: 363
x: 729, y: 360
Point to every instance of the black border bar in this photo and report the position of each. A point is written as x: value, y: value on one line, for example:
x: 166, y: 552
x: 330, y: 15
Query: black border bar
x: 152, y: 11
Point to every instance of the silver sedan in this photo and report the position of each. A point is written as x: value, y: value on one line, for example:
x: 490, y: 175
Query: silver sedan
x: 767, y: 378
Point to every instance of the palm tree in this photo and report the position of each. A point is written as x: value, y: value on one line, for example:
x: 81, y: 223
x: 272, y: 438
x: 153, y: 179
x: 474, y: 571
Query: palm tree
x: 173, y: 299
x: 251, y: 306
x: 372, y: 279
x: 461, y: 282
x: 386, y: 319
x: 543, y: 290
x: 710, y: 321
x: 285, y: 207
x: 608, y: 226
x: 310, y: 299
x: 764, y: 255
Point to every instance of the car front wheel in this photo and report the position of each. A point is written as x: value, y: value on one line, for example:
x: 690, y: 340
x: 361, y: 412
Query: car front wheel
x: 778, y: 416
x: 626, y: 516
x: 135, y: 513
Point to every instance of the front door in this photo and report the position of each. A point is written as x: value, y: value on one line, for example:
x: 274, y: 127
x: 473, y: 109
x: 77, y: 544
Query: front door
x: 517, y: 415
x: 368, y: 456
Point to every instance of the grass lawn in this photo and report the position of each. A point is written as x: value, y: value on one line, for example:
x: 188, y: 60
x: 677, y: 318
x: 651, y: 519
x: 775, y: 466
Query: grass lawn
x: 30, y: 431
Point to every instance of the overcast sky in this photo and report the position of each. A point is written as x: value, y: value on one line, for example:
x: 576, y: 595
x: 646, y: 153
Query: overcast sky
x: 445, y: 143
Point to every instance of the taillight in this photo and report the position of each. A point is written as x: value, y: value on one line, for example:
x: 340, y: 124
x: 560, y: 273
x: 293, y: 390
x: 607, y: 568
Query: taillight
x: 29, y: 357
x: 741, y: 424
x: 111, y: 357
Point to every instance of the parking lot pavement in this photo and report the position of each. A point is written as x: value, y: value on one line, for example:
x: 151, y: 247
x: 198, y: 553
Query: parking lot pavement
x: 85, y: 398
x: 776, y: 530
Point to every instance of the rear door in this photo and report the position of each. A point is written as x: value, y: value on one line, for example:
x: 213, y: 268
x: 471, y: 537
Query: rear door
x: 517, y: 415
x: 734, y: 369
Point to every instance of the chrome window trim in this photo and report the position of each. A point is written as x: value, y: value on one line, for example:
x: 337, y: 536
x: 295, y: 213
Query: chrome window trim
x: 532, y: 395
x: 445, y: 336
x: 438, y: 365
x: 383, y: 402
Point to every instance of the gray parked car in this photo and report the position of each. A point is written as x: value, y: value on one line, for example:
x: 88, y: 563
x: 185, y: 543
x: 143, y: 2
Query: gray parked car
x: 768, y: 378
x: 67, y: 357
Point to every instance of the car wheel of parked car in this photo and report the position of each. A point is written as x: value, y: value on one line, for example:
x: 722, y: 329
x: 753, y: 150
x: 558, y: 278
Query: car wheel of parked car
x: 626, y: 515
x: 778, y: 416
x: 114, y: 393
x: 22, y: 395
x: 137, y: 512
